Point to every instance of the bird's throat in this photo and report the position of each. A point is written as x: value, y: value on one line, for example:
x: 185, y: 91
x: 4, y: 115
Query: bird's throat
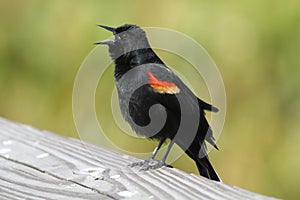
x: 133, y: 59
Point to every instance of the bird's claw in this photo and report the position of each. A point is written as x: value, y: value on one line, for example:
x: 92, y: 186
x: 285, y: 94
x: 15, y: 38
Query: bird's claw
x: 153, y: 164
x: 149, y: 164
x: 138, y: 164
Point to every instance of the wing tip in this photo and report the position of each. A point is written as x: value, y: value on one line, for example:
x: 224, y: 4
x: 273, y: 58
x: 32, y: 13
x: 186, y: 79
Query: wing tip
x: 216, y: 147
x: 214, y: 109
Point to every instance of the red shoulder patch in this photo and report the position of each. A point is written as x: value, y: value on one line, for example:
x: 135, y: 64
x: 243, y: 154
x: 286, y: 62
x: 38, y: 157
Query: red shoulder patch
x: 162, y: 87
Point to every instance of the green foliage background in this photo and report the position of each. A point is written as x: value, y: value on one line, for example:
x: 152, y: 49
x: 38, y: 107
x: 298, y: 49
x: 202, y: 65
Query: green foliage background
x: 256, y: 45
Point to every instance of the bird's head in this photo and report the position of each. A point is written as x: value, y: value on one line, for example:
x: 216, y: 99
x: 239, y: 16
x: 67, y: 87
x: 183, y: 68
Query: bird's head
x: 127, y: 38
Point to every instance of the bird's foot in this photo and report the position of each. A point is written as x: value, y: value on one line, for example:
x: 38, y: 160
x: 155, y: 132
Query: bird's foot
x: 149, y: 164
x: 152, y: 164
x: 138, y: 164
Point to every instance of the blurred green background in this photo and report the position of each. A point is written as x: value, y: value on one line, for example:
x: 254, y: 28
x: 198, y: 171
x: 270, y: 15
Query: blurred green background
x: 256, y: 45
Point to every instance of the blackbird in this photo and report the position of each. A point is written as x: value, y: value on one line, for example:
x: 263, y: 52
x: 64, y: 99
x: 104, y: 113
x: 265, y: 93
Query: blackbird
x: 155, y: 101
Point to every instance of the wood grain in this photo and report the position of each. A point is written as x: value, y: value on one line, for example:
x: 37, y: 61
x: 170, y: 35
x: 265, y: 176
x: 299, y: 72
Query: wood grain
x: 37, y: 164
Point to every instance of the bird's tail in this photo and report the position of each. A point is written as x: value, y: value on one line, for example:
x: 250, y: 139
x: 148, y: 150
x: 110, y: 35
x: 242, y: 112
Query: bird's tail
x: 206, y: 169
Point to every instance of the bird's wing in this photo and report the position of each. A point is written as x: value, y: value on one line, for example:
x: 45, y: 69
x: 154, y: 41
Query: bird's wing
x: 169, y: 87
x: 164, y: 81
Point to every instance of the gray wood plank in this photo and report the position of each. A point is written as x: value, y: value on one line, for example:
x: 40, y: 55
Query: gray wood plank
x: 37, y: 164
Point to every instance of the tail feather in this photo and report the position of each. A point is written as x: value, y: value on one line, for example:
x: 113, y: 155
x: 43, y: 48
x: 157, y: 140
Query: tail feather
x: 210, y: 138
x: 206, y: 169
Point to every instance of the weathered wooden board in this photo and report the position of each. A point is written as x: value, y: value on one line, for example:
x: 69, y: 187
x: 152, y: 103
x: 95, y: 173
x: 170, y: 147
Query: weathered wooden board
x: 38, y: 164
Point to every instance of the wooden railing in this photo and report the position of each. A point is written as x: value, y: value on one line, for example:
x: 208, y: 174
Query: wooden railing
x: 37, y: 164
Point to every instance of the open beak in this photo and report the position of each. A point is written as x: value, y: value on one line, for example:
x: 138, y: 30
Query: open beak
x: 107, y: 28
x: 106, y: 42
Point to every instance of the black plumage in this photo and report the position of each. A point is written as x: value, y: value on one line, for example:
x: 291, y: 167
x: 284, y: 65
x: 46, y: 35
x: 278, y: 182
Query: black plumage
x: 150, y: 93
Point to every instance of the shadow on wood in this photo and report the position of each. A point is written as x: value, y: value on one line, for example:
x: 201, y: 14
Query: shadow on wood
x: 38, y: 164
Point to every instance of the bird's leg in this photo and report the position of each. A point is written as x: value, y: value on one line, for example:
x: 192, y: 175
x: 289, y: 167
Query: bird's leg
x: 153, y: 164
x: 156, y: 149
x: 151, y: 158
x: 168, y: 151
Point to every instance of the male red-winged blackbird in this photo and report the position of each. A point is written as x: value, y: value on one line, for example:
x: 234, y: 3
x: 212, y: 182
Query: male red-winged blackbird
x: 150, y: 93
